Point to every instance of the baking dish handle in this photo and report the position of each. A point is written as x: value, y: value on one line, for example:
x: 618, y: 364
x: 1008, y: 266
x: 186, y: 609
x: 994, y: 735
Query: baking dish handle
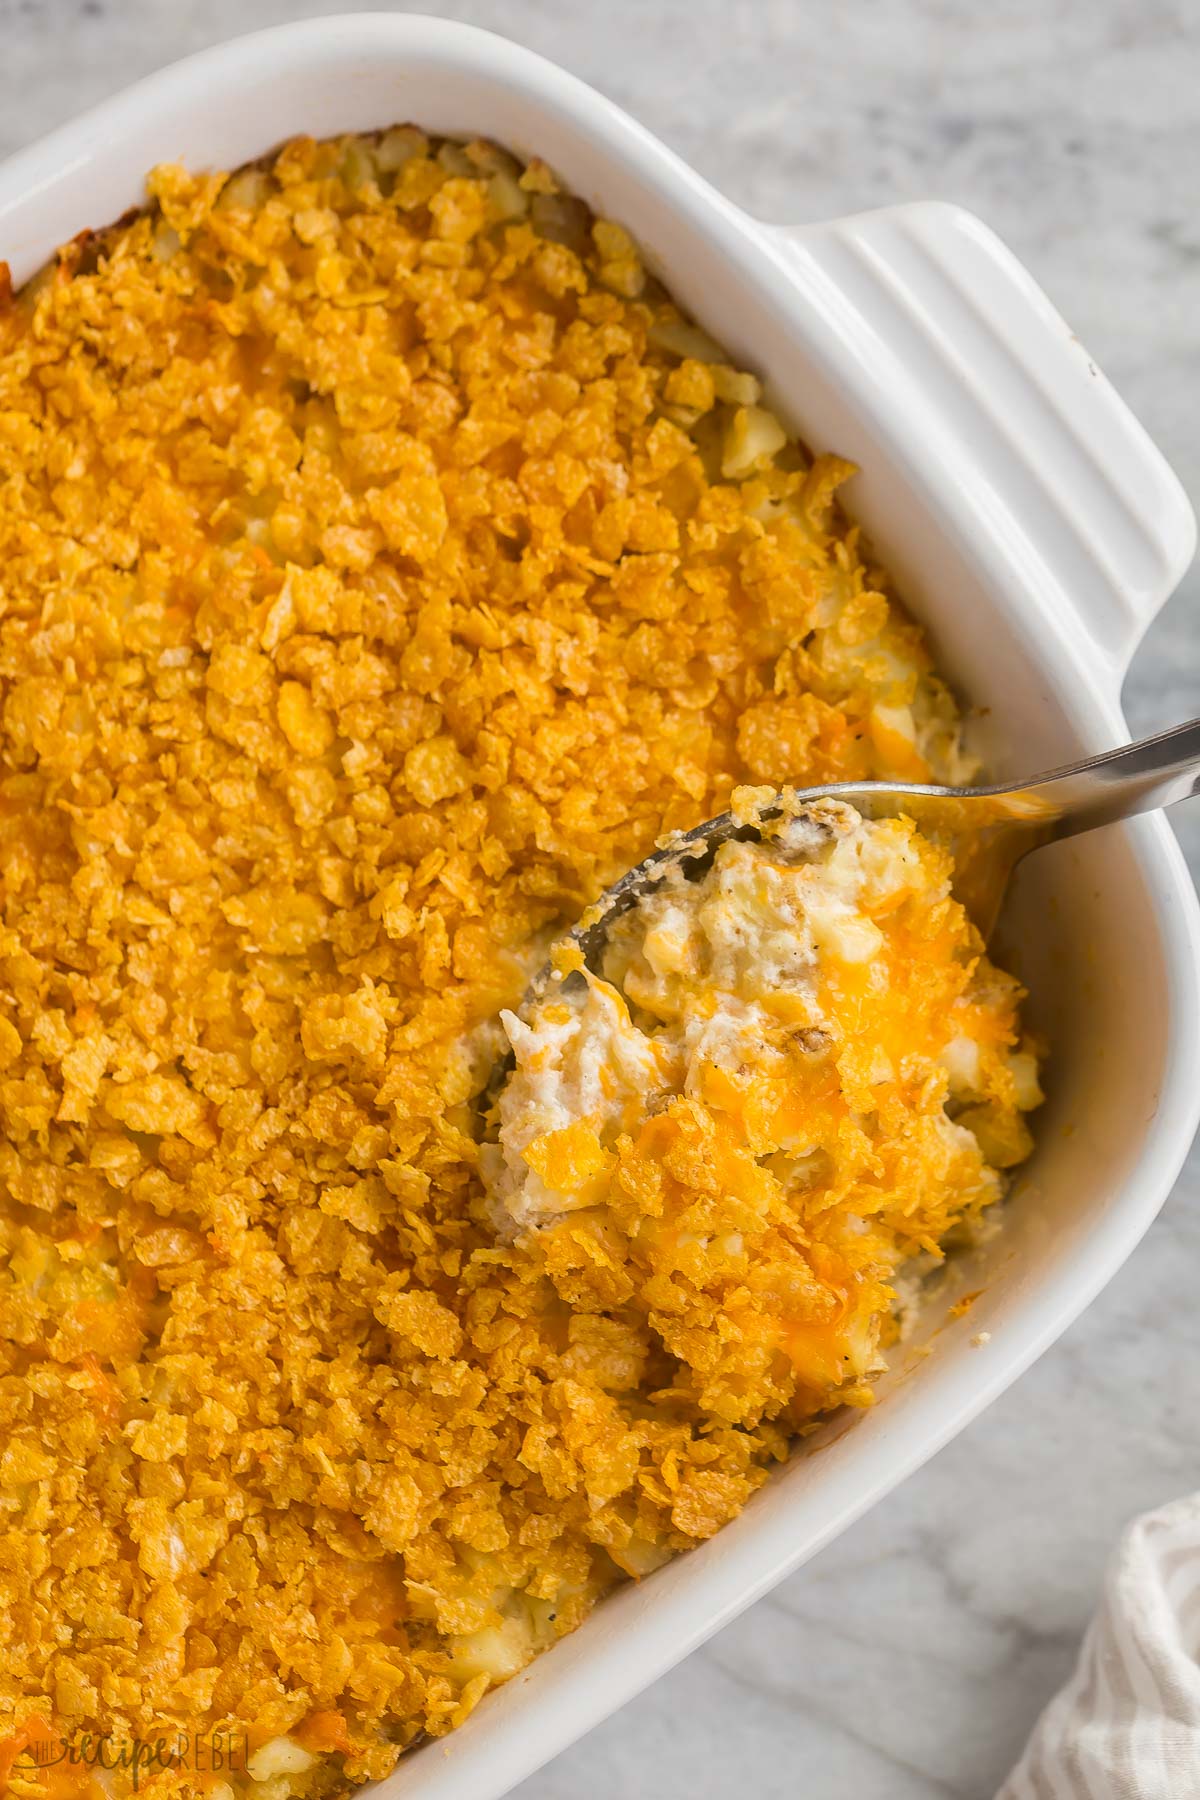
x: 985, y: 380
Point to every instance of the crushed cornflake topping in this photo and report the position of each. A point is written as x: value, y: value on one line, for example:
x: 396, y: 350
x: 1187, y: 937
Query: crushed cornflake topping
x: 386, y: 565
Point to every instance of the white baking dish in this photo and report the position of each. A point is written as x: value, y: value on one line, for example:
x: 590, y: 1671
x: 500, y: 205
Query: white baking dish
x: 1034, y: 528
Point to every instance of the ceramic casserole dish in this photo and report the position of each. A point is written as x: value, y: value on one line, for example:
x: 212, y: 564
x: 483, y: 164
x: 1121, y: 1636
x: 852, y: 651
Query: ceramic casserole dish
x: 1035, y: 531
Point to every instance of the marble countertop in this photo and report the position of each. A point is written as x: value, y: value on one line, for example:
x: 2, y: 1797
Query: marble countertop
x: 910, y: 1659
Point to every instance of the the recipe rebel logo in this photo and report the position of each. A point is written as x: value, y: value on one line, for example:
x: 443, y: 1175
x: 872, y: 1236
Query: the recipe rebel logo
x: 39, y: 1747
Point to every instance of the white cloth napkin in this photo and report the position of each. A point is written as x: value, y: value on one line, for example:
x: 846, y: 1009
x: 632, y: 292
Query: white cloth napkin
x: 1127, y: 1724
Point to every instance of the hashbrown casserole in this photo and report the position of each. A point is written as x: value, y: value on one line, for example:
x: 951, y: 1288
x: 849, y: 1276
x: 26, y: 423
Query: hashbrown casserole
x: 385, y: 564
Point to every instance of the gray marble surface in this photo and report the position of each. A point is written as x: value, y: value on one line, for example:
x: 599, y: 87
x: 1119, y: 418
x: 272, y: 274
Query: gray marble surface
x: 910, y: 1659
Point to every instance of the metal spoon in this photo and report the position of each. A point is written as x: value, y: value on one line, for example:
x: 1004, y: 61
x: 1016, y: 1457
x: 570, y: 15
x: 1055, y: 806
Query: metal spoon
x: 989, y: 828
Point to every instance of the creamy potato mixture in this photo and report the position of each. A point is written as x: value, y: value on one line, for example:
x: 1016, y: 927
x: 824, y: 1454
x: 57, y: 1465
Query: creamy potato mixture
x: 385, y: 564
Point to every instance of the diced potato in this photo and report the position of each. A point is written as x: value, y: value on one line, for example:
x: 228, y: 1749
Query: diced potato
x: 396, y: 147
x: 665, y: 949
x: 735, y: 386
x: 1022, y: 1066
x: 358, y: 163
x: 684, y: 340
x: 507, y: 199
x: 498, y: 1651
x: 455, y: 160
x: 753, y: 438
x: 639, y: 1558
x: 847, y: 936
x: 960, y: 1059
x: 246, y: 191
x: 278, y: 1756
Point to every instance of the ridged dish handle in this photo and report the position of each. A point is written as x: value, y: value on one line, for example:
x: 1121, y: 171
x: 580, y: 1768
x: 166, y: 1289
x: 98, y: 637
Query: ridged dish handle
x: 998, y: 397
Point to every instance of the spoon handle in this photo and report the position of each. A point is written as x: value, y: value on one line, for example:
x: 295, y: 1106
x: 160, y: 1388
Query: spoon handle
x: 1137, y: 778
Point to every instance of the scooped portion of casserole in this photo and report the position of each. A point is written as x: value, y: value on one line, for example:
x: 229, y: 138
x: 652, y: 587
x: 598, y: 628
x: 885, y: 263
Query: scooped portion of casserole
x: 794, y: 1075
x: 385, y: 564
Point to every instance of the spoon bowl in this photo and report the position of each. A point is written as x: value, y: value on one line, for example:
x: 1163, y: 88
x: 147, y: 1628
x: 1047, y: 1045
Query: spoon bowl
x: 987, y: 829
